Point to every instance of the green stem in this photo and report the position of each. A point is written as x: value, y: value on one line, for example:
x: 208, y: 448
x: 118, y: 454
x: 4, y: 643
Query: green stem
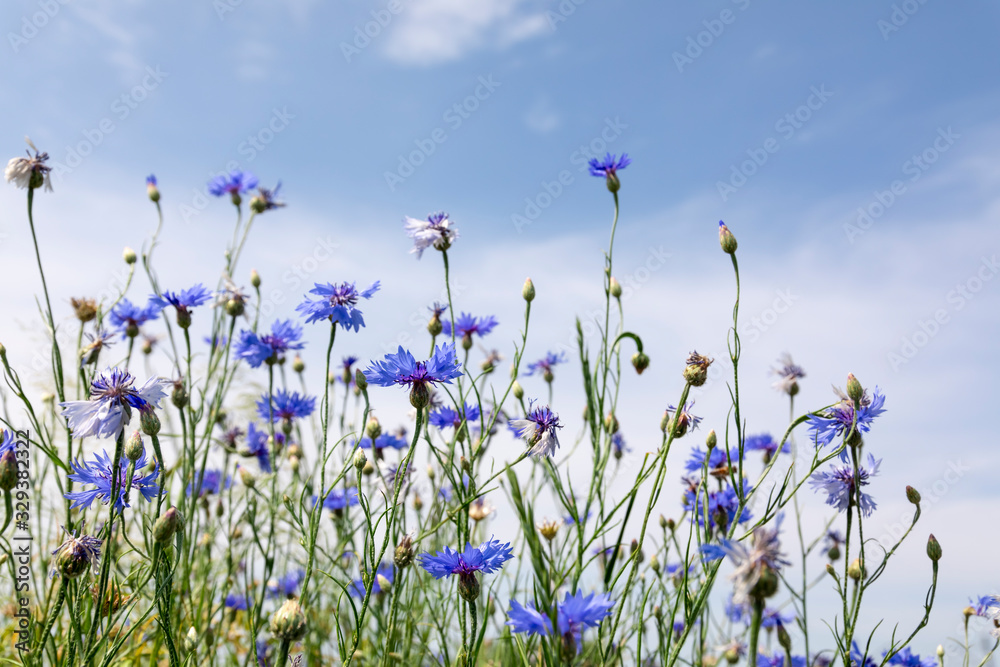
x: 54, y: 612
x: 757, y: 614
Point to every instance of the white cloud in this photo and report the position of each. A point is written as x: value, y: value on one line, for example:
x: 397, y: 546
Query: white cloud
x: 428, y: 32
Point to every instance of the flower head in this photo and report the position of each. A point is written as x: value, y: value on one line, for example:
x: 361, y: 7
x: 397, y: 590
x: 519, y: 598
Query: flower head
x: 546, y: 364
x: 839, y: 483
x: 436, y: 231
x: 339, y: 499
x: 256, y: 445
x: 112, y: 399
x: 99, y: 473
x: 717, y: 460
x: 448, y: 417
x: 76, y: 554
x: 8, y: 443
x: 538, y: 429
x: 789, y: 374
x: 236, y: 602
x: 271, y: 348
x: 285, y: 406
x: 183, y: 302
x: 906, y: 658
x: 402, y: 369
x: 487, y: 558
x: 608, y: 168
x: 287, y: 585
x: 528, y: 619
x: 234, y: 184
x: 208, y: 484
x: 680, y: 421
x: 266, y: 200
x: 722, y: 505
x: 756, y: 569
x: 384, y: 440
x: 126, y: 317
x: 29, y: 172
x: 618, y: 446
x: 578, y: 612
x: 838, y: 420
x: 765, y: 443
x: 337, y: 304
x: 385, y: 574
x: 466, y: 325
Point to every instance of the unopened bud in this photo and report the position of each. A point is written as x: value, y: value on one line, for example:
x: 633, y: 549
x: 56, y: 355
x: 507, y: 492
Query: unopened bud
x: 418, y: 503
x: 431, y: 473
x: 833, y: 553
x: 611, y: 423
x: 179, y: 395
x: 855, y: 570
x: 129, y: 255
x: 783, y: 639
x: 254, y: 278
x: 359, y: 380
x: 191, y: 639
x: 168, y: 524
x: 726, y: 239
x: 246, y: 477
x: 640, y: 361
x: 528, y: 291
x: 360, y: 460
x: 289, y: 622
x: 8, y: 470
x: 654, y: 564
x: 468, y: 586
x: 373, y: 429
x: 912, y: 495
x: 712, y: 440
x: 829, y: 570
x: 615, y: 288
x: 933, y: 549
x: 298, y: 365
x: 940, y: 651
x: 855, y: 391
x: 404, y: 552
x: 133, y: 448
x: 517, y: 390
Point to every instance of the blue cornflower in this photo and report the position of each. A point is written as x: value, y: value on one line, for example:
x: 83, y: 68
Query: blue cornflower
x: 127, y: 317
x: 538, y: 429
x: 7, y: 441
x: 402, y: 369
x: 778, y: 660
x: 339, y: 499
x: 286, y: 586
x: 716, y: 459
x: 384, y: 440
x: 75, y: 554
x: 151, y: 180
x: 487, y: 558
x: 236, y: 602
x: 112, y: 398
x: 765, y: 443
x: 99, y: 472
x: 347, y: 364
x: 684, y: 419
x: 448, y: 416
x: 385, y: 573
x: 183, y: 302
x: 859, y: 659
x: 217, y: 342
x: 545, y: 365
x: 285, y: 406
x: 906, y: 658
x: 737, y: 612
x: 210, y: 483
x: 837, y: 420
x: 466, y: 325
x: 337, y: 304
x: 752, y: 563
x: 256, y: 445
x: 527, y: 619
x: 608, y: 168
x: 270, y: 348
x: 618, y: 445
x: 838, y: 482
x: 724, y: 500
x: 436, y: 231
x: 234, y: 183
x: 577, y: 612
x: 772, y: 618
x: 981, y: 605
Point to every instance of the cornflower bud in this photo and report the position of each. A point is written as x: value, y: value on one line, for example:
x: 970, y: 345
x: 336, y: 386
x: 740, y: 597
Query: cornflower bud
x: 640, y: 361
x: 933, y: 549
x: 133, y: 448
x: 289, y: 622
x: 615, y: 287
x: 726, y: 239
x: 168, y: 524
x: 129, y: 255
x: 528, y: 291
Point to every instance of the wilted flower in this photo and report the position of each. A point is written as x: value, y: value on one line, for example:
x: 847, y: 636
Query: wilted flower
x: 112, y: 399
x: 684, y: 419
x: 92, y: 350
x: 74, y: 556
x: 435, y: 231
x: 538, y: 429
x: 29, y: 172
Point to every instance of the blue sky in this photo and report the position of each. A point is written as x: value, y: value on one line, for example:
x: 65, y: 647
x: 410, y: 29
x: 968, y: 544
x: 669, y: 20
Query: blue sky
x: 805, y: 111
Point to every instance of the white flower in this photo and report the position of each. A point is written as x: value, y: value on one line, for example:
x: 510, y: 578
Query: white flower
x: 436, y: 231
x: 112, y: 399
x: 538, y: 429
x: 21, y: 170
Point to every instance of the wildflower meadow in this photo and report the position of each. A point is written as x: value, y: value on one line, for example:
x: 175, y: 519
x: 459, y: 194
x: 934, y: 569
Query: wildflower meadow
x: 162, y: 512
